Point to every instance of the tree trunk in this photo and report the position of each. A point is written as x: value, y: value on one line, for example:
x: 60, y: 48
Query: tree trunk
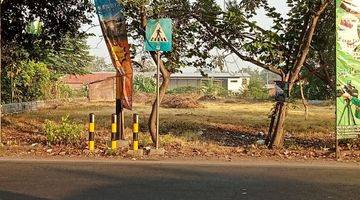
x: 278, y: 137
x: 305, y: 103
x: 164, y: 85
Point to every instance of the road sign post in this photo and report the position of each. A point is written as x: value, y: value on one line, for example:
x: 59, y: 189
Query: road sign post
x: 158, y: 38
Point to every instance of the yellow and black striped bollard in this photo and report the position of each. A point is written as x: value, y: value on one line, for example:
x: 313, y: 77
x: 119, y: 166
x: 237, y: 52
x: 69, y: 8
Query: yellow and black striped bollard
x: 92, y: 132
x: 135, y: 132
x: 113, y: 131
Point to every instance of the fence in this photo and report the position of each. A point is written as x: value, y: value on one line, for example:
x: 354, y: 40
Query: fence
x: 13, y: 108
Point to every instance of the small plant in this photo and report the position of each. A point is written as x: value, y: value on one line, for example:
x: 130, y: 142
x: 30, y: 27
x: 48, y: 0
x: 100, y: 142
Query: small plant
x: 183, y: 90
x: 144, y: 84
x: 67, y: 132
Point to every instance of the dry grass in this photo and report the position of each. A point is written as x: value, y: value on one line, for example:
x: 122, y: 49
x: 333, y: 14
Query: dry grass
x: 206, y: 123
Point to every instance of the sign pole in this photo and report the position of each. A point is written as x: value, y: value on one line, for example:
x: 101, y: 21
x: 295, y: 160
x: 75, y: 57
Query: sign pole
x: 158, y: 39
x: 157, y: 98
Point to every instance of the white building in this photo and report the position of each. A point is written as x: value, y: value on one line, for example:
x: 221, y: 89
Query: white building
x: 235, y: 82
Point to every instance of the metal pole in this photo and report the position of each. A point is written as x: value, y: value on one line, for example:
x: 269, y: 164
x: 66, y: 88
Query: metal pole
x: 113, y: 131
x: 157, y: 99
x: 119, y: 111
x: 91, y: 132
x: 0, y: 80
x: 135, y: 132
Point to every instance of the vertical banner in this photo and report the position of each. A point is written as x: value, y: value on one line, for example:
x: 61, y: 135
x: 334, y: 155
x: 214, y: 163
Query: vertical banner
x: 348, y: 68
x: 113, y: 26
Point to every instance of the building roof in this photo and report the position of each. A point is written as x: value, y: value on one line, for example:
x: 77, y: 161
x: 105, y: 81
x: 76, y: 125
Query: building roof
x: 210, y: 74
x: 87, y: 78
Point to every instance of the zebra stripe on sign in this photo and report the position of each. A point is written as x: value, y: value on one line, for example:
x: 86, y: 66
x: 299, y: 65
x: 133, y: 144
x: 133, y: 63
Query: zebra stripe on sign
x: 158, y: 35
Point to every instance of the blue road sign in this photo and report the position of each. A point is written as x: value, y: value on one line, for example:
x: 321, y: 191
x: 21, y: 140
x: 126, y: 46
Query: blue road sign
x: 158, y: 35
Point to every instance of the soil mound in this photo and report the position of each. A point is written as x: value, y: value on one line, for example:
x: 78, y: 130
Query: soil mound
x: 177, y: 101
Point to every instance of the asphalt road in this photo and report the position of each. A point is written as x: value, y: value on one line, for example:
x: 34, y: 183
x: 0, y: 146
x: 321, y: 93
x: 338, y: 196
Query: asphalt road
x: 174, y: 181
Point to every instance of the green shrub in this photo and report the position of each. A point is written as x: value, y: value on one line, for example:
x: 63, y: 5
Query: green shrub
x: 144, y: 84
x: 183, y: 90
x: 67, y: 132
x: 256, y: 90
x: 211, y: 87
x: 65, y: 92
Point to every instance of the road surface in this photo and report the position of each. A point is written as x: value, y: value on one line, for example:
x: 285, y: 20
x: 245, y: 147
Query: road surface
x: 174, y: 181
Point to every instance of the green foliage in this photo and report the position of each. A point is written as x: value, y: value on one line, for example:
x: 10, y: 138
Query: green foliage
x: 44, y: 32
x: 60, y: 19
x: 72, y: 58
x: 144, y: 84
x: 256, y: 89
x: 66, y: 92
x: 183, y: 90
x: 67, y: 132
x: 210, y: 87
x: 27, y: 82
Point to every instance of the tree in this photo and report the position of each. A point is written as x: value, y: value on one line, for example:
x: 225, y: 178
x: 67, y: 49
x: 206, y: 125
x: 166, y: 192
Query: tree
x: 98, y: 64
x: 60, y: 45
x: 284, y: 49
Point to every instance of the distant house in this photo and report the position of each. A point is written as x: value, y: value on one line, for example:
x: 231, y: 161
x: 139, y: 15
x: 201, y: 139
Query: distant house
x: 235, y: 82
x: 79, y: 81
x: 100, y: 85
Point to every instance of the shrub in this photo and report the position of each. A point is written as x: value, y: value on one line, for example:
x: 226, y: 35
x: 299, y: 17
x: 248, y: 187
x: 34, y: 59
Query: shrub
x: 144, y: 84
x: 67, y: 132
x: 183, y: 90
x: 66, y: 92
x: 211, y: 87
x: 256, y: 90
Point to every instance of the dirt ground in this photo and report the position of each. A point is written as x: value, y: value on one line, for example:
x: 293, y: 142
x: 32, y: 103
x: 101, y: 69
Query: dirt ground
x: 220, y: 129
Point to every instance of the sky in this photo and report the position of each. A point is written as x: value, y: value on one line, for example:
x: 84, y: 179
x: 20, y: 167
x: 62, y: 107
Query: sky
x: 98, y: 46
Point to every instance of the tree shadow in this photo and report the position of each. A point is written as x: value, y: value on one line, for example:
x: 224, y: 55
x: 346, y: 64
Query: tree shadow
x: 7, y: 195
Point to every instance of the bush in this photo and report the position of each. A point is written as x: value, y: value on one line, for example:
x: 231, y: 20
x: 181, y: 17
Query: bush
x: 65, y: 92
x: 183, y: 90
x: 256, y: 90
x: 144, y: 84
x: 67, y: 132
x: 212, y: 88
x: 25, y: 82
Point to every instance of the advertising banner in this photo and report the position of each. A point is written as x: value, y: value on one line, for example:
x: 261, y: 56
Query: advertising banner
x: 113, y: 25
x: 348, y: 68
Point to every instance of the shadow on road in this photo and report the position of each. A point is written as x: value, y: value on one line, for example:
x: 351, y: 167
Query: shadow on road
x: 6, y: 195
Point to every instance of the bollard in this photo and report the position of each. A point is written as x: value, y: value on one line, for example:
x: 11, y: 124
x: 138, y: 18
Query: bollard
x: 113, y: 131
x: 135, y: 132
x: 92, y: 132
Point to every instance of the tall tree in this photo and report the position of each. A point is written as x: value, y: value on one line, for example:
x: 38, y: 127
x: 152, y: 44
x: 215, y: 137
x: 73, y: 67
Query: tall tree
x: 284, y: 49
x: 61, y: 21
x: 61, y: 44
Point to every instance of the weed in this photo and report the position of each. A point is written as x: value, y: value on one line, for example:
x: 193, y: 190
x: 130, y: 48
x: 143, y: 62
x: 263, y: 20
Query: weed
x: 67, y: 132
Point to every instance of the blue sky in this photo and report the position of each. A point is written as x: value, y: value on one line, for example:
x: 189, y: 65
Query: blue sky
x: 98, y: 47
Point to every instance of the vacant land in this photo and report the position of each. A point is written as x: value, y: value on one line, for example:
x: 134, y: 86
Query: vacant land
x: 217, y: 129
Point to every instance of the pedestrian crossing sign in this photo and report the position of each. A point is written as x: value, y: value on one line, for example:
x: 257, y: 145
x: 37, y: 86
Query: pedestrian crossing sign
x: 158, y: 35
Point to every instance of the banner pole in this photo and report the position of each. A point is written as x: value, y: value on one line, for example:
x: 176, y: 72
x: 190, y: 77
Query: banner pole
x: 157, y: 98
x: 119, y: 110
